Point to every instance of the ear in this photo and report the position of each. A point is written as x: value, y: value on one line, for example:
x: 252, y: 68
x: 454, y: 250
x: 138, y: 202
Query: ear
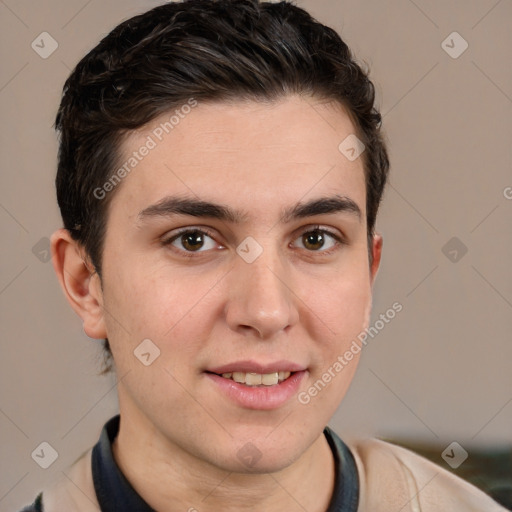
x: 79, y: 281
x: 377, y: 254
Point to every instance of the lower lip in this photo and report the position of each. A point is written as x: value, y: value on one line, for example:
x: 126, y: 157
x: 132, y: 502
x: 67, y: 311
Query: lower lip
x: 261, y: 398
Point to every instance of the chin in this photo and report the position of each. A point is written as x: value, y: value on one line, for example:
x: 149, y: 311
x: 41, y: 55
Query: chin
x: 260, y: 453
x: 258, y: 465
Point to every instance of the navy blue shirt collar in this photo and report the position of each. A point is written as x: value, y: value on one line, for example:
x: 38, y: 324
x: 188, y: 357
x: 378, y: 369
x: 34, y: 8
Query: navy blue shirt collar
x: 115, y: 493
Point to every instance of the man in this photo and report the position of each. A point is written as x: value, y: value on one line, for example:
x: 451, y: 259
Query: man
x: 220, y: 170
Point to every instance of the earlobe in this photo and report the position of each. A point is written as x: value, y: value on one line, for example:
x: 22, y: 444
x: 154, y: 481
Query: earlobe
x: 79, y: 282
x: 376, y: 249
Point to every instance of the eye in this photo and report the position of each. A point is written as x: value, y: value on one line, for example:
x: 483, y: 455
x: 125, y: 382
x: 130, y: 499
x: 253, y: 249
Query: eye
x: 191, y: 240
x: 319, y: 240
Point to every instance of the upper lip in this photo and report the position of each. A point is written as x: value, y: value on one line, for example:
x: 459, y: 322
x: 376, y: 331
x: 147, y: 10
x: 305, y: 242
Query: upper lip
x: 255, y: 367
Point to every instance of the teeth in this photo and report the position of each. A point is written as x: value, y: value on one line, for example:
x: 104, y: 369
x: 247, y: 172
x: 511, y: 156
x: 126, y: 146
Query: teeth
x: 253, y: 379
x: 257, y: 379
x: 239, y: 377
x: 270, y: 379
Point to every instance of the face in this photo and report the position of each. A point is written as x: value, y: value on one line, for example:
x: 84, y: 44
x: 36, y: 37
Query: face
x: 237, y: 245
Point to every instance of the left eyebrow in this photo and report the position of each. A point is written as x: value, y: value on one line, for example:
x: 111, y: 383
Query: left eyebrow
x: 171, y: 205
x: 322, y: 206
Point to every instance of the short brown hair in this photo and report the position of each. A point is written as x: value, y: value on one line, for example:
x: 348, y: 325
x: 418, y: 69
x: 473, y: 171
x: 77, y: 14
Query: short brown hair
x: 211, y: 50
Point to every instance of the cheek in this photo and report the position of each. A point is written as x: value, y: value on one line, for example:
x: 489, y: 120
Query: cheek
x: 171, y: 309
x: 341, y: 316
x: 343, y: 303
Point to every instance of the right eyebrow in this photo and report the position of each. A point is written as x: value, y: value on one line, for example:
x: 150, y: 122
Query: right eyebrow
x: 173, y: 205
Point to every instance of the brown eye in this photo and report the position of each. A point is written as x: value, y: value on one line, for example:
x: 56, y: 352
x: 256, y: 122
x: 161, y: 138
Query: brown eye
x: 192, y: 240
x: 319, y: 240
x: 313, y: 240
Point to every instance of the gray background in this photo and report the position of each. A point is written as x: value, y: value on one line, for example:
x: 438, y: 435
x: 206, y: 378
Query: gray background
x: 439, y: 372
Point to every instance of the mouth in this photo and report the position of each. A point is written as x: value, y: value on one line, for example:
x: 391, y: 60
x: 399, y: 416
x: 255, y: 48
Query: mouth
x: 253, y: 385
x: 253, y: 379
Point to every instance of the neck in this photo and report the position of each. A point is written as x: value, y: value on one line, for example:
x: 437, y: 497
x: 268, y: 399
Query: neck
x: 163, y: 473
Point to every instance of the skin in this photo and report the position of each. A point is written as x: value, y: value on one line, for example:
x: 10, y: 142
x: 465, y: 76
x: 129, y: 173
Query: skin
x: 300, y: 301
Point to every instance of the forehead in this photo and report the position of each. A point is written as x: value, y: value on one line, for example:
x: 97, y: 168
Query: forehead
x: 250, y: 154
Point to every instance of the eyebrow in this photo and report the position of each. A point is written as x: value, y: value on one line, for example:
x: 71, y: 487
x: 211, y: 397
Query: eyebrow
x: 174, y: 205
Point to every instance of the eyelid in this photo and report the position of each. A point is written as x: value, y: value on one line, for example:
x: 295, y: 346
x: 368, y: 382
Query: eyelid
x: 337, y: 235
x: 179, y: 231
x: 338, y: 238
x: 173, y: 235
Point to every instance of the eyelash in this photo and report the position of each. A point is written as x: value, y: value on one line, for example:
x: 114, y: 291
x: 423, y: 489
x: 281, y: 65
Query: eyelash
x: 167, y: 242
x: 318, y: 229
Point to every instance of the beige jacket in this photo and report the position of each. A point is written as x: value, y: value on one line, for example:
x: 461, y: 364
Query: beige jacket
x: 392, y: 479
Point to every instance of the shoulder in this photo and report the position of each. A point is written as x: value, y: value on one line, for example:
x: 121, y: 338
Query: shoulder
x: 73, y: 492
x: 36, y: 506
x: 392, y: 476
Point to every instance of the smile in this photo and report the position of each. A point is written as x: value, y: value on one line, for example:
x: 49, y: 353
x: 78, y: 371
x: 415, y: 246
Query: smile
x: 257, y: 379
x: 260, y: 391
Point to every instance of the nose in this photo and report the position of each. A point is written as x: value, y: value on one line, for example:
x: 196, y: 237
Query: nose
x: 261, y: 297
